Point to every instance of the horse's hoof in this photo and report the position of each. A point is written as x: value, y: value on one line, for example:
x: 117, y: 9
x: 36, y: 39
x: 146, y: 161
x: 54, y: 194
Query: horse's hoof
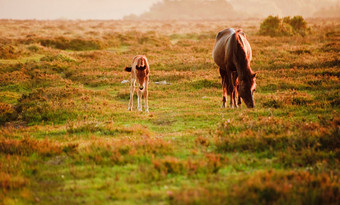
x: 146, y: 110
x: 129, y: 109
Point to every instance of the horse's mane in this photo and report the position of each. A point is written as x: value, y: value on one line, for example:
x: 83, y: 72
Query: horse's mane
x: 240, y: 56
x: 239, y: 43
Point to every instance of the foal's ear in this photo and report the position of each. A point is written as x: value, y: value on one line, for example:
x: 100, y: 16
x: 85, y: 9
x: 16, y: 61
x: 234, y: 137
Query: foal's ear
x: 128, y: 69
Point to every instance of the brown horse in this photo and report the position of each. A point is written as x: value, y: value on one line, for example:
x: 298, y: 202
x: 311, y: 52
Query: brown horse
x: 232, y: 53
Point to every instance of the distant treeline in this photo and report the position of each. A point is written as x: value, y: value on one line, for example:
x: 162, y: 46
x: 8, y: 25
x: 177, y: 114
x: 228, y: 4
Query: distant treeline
x: 237, y: 9
x: 189, y: 10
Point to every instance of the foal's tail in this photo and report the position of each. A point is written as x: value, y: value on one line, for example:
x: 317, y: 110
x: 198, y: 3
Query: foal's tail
x: 128, y: 69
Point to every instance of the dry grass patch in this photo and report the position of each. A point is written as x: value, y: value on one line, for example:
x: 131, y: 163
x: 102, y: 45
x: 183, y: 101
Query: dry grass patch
x: 266, y: 187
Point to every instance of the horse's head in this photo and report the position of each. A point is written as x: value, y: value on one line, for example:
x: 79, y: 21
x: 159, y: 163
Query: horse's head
x: 142, y: 74
x: 246, y: 90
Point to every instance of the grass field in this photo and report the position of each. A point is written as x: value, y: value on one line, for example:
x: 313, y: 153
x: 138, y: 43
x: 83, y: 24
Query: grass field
x: 67, y: 137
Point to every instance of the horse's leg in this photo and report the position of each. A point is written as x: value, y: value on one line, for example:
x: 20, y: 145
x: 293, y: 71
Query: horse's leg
x: 224, y: 86
x: 234, y: 97
x: 234, y: 87
x: 225, y: 91
x: 132, y: 90
x: 230, y: 86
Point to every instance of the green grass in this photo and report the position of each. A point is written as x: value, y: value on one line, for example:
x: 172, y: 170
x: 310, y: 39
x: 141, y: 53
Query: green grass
x: 67, y: 136
x: 21, y: 60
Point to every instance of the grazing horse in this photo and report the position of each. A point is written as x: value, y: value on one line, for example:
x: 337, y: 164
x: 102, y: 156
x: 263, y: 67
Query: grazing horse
x: 232, y: 53
x: 139, y: 73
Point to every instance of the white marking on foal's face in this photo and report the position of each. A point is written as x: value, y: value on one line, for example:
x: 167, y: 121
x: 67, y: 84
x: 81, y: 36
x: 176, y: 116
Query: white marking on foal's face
x: 141, y: 87
x: 141, y: 79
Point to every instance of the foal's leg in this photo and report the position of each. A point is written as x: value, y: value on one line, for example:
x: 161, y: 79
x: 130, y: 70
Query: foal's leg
x: 132, y: 90
x: 140, y: 94
x: 146, y: 105
x: 146, y: 95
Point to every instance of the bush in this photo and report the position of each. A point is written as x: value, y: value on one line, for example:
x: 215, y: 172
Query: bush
x: 267, y: 187
x: 28, y: 146
x: 34, y: 48
x: 9, y: 52
x: 293, y: 187
x: 298, y: 24
x: 59, y: 57
x: 47, y: 105
x: 270, y: 25
x: 287, y: 26
x: 7, y: 113
x: 72, y: 44
x: 315, y: 142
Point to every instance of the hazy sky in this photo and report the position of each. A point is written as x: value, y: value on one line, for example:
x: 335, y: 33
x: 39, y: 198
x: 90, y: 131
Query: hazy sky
x: 72, y: 9
x: 116, y: 9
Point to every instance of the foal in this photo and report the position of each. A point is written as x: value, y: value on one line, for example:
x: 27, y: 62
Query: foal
x: 139, y: 73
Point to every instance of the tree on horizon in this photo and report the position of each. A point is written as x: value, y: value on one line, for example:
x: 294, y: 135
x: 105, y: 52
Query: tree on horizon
x: 188, y: 10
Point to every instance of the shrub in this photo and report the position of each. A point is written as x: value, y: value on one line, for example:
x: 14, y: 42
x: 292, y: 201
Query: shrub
x: 8, y: 52
x: 47, y: 105
x: 169, y: 165
x: 8, y: 181
x: 7, y: 113
x: 72, y: 44
x: 287, y: 26
x: 293, y: 187
x: 28, y: 146
x: 267, y: 187
x: 270, y: 26
x: 315, y: 142
x: 34, y: 48
x: 59, y: 57
x: 298, y: 23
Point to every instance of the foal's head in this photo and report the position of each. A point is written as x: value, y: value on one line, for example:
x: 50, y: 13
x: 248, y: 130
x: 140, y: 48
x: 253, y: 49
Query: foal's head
x: 246, y: 90
x: 142, y: 74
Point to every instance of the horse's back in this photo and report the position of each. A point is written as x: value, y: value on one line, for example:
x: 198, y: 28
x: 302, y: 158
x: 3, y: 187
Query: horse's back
x: 225, y: 47
x: 220, y: 49
x: 225, y: 33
